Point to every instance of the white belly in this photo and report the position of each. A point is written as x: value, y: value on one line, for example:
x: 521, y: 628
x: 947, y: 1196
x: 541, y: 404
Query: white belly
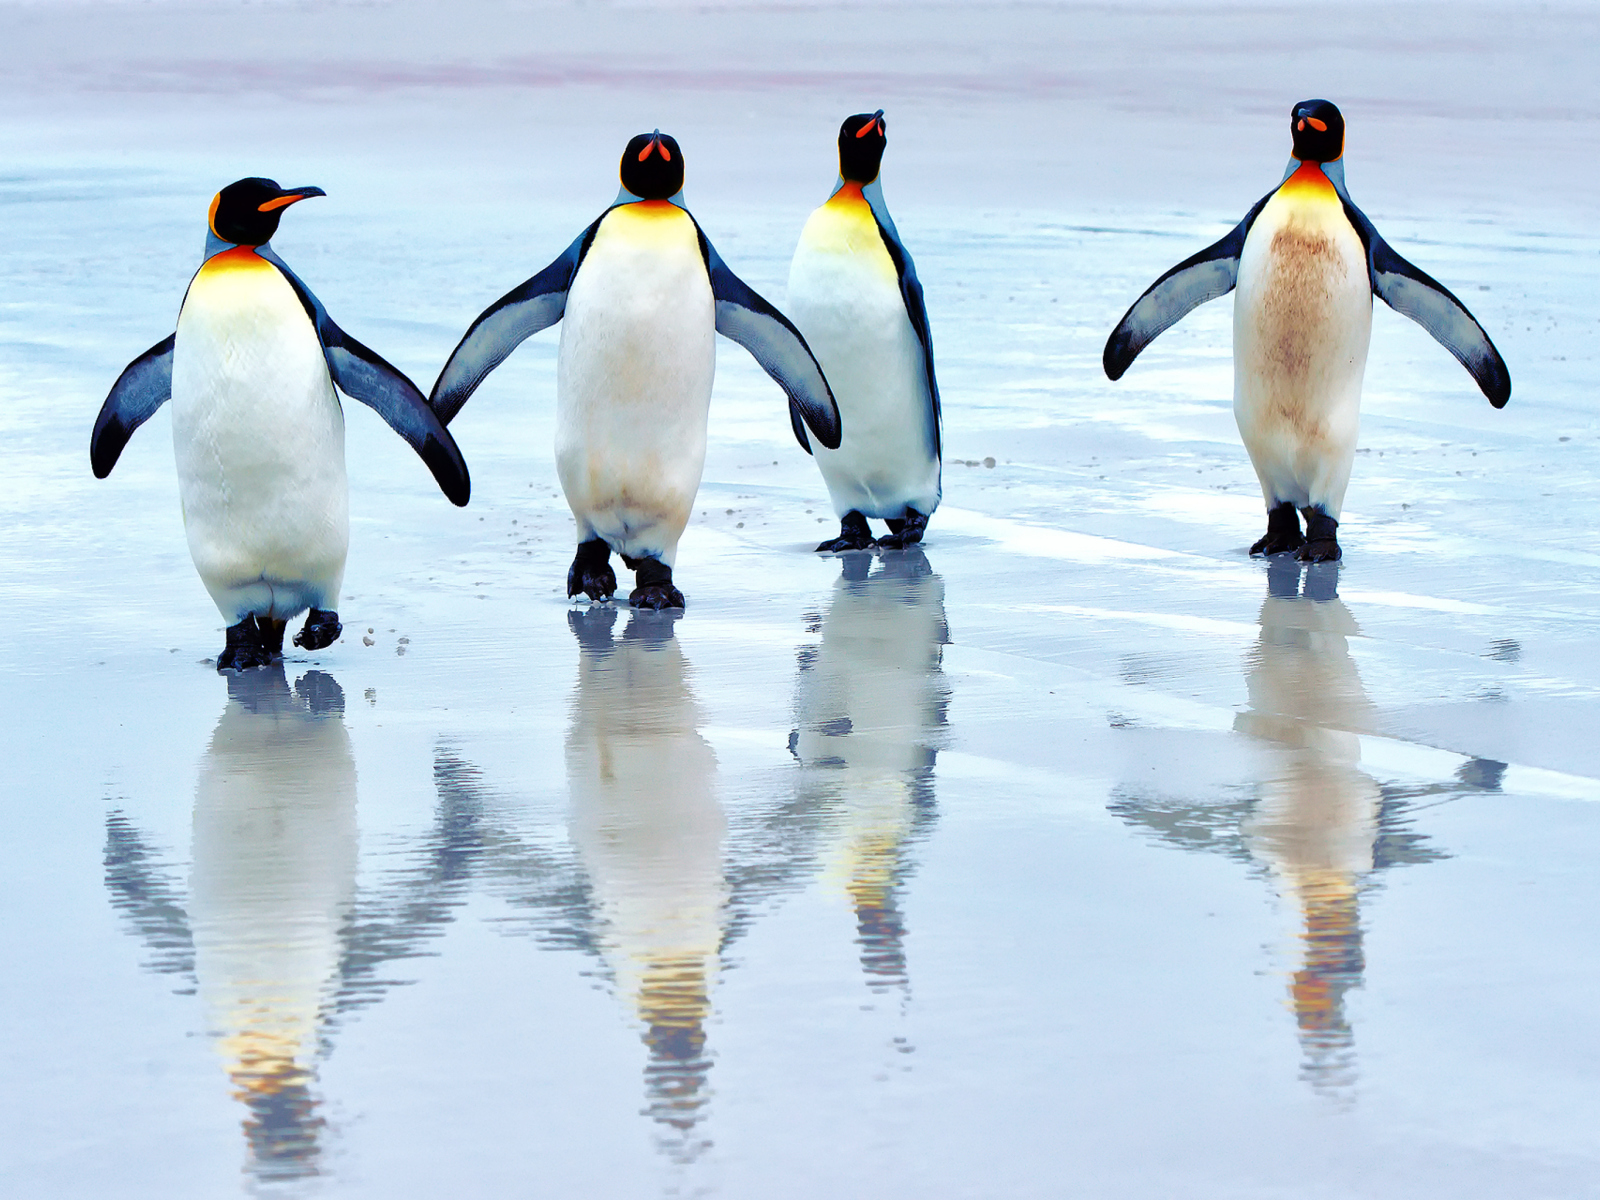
x: 845, y: 299
x: 1302, y: 320
x: 633, y: 381
x: 259, y: 439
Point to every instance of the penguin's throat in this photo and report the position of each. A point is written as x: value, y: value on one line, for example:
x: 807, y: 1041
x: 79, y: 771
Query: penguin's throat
x: 1308, y: 180
x: 848, y: 196
x: 239, y: 258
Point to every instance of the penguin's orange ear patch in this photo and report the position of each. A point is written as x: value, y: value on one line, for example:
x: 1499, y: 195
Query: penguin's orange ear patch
x: 1319, y: 126
x: 211, y: 213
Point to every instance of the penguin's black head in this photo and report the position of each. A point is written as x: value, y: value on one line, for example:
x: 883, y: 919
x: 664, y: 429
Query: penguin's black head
x: 1318, y: 129
x: 861, y: 142
x: 247, y: 212
x: 652, y: 166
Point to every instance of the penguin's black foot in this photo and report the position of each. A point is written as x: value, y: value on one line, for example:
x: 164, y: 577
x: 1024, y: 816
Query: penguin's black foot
x: 1322, y: 538
x: 1283, y: 532
x: 249, y: 645
x: 655, y: 588
x: 322, y: 629
x: 591, y: 571
x: 904, y: 532
x: 656, y: 596
x: 853, y: 535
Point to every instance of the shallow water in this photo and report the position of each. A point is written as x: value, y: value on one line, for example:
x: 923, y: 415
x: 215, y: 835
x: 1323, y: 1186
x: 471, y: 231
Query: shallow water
x: 1075, y: 853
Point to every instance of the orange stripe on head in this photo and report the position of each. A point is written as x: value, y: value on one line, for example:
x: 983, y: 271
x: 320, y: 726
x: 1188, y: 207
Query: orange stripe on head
x: 645, y: 153
x: 869, y: 127
x: 1319, y: 126
x: 211, y: 214
x: 665, y: 153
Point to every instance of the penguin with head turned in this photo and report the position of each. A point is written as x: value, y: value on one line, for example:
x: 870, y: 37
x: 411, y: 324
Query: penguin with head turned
x: 258, y: 431
x: 641, y: 295
x: 1306, y: 263
x: 854, y: 293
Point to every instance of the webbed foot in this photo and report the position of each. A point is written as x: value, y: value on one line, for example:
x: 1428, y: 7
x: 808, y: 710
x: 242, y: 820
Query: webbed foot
x: 322, y: 629
x: 249, y: 645
x: 655, y: 588
x: 591, y: 571
x: 853, y: 535
x: 1283, y: 531
x: 906, y: 531
x: 656, y: 596
x: 1322, y: 538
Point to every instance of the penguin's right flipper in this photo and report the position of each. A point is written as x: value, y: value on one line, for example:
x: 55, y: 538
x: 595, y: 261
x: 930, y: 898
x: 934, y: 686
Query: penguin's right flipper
x: 506, y: 324
x: 1416, y: 294
x: 777, y: 345
x: 1205, y: 276
x: 144, y: 386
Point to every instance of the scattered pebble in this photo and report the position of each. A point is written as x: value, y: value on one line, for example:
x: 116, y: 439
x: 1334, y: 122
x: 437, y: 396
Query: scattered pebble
x: 366, y: 641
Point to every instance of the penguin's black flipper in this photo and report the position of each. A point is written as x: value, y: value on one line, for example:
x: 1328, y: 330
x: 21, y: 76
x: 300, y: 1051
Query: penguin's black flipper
x: 1416, y: 294
x: 911, y: 293
x: 364, y: 375
x: 144, y: 386
x: 506, y: 324
x: 1204, y: 276
x: 776, y: 344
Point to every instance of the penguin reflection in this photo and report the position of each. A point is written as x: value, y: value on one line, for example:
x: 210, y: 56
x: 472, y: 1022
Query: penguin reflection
x: 648, y: 827
x: 272, y: 886
x: 1315, y: 825
x: 870, y: 704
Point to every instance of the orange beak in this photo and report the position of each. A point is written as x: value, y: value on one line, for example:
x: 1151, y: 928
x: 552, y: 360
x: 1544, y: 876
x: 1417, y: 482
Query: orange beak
x: 293, y: 197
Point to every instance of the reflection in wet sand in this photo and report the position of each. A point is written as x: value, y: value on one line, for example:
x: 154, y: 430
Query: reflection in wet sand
x: 870, y: 709
x: 1315, y: 823
x: 1319, y: 824
x: 271, y: 888
x: 270, y: 930
x: 649, y: 830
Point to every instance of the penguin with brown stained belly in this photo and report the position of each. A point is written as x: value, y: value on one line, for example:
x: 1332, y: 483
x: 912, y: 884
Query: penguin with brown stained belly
x: 1306, y: 263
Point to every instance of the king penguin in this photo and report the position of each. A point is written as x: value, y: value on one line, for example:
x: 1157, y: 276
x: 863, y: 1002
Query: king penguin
x: 258, y: 431
x: 1306, y: 262
x: 854, y: 293
x: 643, y: 294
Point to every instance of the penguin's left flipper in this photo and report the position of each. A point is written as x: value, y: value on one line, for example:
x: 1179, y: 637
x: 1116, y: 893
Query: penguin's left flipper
x: 144, y: 386
x: 1416, y: 294
x: 1204, y: 276
x: 911, y: 293
x: 777, y: 345
x: 363, y: 374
